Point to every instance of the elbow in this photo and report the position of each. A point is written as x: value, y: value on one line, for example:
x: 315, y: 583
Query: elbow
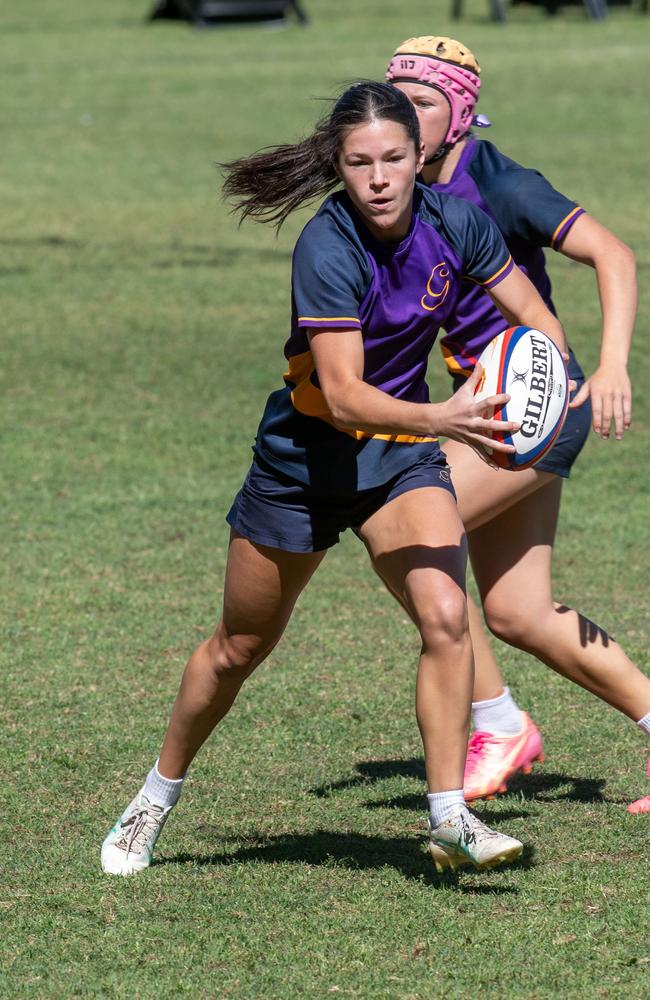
x: 338, y: 402
x: 341, y: 416
x: 619, y: 266
x: 628, y: 258
x: 624, y: 255
x: 619, y: 256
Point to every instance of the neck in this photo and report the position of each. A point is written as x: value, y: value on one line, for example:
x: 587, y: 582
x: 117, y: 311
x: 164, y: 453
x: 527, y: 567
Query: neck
x: 441, y: 171
x: 396, y: 233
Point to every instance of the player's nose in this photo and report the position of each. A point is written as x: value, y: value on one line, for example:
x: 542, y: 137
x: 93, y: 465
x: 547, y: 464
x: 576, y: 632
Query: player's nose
x: 378, y: 175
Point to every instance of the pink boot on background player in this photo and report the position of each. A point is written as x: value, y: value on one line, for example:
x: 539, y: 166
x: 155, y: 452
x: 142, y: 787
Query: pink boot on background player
x: 641, y: 805
x: 492, y: 760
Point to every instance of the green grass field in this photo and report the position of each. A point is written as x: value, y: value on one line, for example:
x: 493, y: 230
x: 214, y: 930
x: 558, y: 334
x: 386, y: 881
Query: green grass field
x: 142, y: 332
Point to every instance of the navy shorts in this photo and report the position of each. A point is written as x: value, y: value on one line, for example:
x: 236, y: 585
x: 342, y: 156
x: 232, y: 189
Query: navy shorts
x: 274, y: 509
x: 570, y: 441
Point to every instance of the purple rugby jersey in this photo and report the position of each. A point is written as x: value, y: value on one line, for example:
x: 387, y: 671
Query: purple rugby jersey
x: 398, y: 295
x: 530, y: 214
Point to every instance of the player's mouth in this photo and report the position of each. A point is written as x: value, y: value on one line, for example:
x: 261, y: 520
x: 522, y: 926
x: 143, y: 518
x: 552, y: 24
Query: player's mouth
x: 381, y: 204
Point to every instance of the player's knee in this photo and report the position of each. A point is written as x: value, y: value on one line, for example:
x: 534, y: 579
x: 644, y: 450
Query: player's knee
x: 234, y: 657
x: 444, y: 621
x: 511, y: 624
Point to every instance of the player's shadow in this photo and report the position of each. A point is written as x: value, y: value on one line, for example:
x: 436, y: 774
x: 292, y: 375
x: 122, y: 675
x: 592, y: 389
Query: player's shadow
x: 416, y: 803
x: 352, y: 851
x: 542, y: 786
x: 559, y: 787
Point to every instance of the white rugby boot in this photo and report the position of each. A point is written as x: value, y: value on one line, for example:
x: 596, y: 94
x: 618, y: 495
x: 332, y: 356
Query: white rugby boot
x: 462, y: 839
x: 128, y: 848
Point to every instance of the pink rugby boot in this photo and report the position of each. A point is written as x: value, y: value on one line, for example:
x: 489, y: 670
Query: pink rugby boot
x: 492, y: 760
x: 641, y: 805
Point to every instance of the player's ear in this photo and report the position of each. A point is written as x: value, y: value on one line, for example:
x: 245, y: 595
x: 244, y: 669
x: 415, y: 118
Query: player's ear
x: 420, y: 158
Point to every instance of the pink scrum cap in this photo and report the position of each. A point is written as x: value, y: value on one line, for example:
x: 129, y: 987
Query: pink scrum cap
x: 451, y: 68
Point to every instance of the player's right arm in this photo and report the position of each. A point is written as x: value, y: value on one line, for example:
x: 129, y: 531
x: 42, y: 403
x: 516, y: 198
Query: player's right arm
x: 356, y: 405
x: 329, y: 281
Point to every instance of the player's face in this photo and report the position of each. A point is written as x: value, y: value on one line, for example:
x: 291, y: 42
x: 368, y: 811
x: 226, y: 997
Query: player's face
x: 378, y: 163
x: 433, y: 111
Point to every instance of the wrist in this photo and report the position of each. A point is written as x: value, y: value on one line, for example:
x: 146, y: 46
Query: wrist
x: 613, y: 360
x: 436, y: 420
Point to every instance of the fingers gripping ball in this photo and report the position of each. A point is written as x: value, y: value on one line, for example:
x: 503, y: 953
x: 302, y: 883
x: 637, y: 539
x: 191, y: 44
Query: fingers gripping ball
x: 528, y: 366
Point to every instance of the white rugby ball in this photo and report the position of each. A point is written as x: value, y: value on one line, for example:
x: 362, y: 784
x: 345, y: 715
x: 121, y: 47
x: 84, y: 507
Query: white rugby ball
x: 527, y: 365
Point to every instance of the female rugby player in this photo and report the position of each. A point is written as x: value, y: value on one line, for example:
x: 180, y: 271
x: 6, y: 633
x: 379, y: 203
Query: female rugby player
x: 511, y: 518
x: 351, y: 440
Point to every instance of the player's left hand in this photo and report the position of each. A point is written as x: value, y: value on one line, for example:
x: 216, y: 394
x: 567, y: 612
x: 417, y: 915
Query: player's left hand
x: 611, y: 400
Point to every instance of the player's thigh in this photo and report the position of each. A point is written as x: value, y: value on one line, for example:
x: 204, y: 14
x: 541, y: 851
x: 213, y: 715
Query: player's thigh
x: 511, y: 556
x: 417, y: 545
x: 483, y: 493
x: 262, y: 586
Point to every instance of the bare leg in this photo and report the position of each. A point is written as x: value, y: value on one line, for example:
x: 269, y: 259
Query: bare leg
x: 261, y: 589
x: 511, y: 557
x: 488, y: 679
x: 484, y: 493
x: 417, y: 546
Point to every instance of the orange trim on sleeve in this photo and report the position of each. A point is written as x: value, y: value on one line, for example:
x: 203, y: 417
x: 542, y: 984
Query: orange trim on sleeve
x: 329, y: 319
x: 564, y: 222
x: 496, y: 275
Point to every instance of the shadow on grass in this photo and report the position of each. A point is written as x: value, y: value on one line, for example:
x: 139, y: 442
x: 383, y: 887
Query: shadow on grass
x: 218, y: 257
x: 417, y: 803
x: 356, y: 852
x: 370, y: 771
x: 180, y: 254
x: 529, y: 787
x: 45, y: 240
x: 538, y: 786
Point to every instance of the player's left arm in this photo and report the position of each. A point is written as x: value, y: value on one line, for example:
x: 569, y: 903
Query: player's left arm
x: 588, y: 242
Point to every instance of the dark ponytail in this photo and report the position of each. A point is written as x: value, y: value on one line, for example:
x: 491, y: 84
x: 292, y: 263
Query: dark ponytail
x: 272, y: 183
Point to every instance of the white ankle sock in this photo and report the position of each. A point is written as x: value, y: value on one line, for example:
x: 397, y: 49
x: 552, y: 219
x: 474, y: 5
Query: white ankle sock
x: 162, y: 791
x: 500, y: 716
x: 442, y: 803
x: 645, y: 723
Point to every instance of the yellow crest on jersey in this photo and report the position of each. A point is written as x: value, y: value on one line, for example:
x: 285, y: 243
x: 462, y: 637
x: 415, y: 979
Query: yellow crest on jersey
x: 437, y: 288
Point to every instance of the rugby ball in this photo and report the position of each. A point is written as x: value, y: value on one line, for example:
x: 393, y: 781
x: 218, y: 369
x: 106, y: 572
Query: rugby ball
x: 527, y: 365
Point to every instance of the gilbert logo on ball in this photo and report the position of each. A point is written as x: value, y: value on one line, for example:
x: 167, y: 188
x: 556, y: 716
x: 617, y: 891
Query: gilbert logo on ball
x: 528, y: 366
